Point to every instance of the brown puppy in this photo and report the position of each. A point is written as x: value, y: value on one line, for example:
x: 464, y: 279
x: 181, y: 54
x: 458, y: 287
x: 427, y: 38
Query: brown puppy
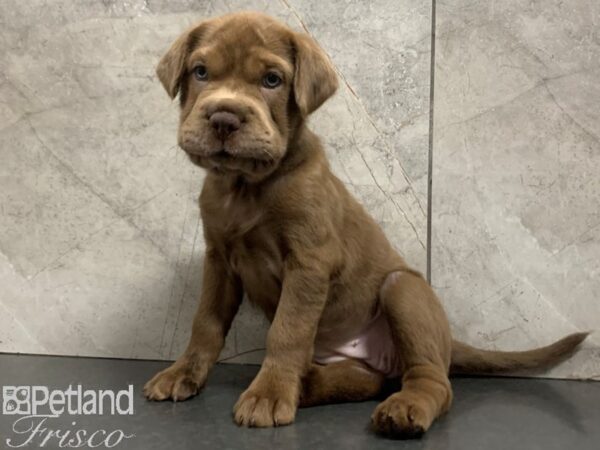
x: 281, y: 227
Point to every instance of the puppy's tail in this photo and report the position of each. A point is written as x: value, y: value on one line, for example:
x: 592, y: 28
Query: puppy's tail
x: 471, y: 360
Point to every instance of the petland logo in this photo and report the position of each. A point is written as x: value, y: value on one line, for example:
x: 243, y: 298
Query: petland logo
x: 38, y: 406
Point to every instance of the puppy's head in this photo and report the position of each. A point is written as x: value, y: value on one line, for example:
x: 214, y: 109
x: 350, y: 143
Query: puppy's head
x: 245, y: 83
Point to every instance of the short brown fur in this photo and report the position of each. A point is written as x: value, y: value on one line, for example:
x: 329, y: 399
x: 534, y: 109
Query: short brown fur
x: 281, y: 227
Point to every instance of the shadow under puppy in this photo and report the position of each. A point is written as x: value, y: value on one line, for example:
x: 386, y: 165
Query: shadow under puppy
x: 346, y: 311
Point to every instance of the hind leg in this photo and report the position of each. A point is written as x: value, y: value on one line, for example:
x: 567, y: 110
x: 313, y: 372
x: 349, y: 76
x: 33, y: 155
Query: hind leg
x: 344, y: 381
x: 422, y: 336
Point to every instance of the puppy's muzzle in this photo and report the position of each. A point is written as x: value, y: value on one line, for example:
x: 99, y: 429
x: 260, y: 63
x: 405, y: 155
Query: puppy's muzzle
x: 224, y: 124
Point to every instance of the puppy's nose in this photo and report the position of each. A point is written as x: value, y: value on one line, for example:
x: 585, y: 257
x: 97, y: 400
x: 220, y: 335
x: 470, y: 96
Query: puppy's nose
x: 224, y: 123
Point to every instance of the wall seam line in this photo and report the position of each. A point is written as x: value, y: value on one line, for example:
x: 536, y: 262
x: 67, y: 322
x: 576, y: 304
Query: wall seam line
x: 430, y: 150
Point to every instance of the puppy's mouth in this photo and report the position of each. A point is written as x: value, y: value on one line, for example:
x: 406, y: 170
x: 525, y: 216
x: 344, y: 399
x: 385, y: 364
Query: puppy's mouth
x: 222, y: 155
x: 228, y: 161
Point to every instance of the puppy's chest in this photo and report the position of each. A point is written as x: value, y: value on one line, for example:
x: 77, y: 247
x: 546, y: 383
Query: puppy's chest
x: 251, y: 242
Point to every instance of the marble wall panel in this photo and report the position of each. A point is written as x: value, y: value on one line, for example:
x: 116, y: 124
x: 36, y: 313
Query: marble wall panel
x: 516, y: 197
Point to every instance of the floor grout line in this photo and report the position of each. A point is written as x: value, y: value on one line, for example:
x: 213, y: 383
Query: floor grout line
x: 430, y: 156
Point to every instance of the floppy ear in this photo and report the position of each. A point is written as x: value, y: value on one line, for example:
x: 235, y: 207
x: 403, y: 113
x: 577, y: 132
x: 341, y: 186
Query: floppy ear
x: 314, y: 79
x: 171, y: 66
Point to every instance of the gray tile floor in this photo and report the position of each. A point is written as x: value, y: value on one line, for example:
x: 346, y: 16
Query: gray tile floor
x: 488, y: 413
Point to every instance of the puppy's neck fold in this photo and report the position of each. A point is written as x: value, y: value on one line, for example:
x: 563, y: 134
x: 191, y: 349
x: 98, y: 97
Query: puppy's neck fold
x: 303, y: 146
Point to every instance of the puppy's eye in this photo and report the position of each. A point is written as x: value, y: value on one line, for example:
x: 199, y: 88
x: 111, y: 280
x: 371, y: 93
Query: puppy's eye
x: 201, y: 73
x: 271, y: 80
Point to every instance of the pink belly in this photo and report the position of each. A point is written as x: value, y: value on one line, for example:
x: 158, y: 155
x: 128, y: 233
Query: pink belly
x: 373, y: 346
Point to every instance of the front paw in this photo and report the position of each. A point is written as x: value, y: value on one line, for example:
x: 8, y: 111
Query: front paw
x: 180, y: 381
x: 402, y: 415
x: 266, y: 407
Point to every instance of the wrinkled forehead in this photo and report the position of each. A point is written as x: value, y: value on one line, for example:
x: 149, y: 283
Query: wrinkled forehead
x: 247, y: 45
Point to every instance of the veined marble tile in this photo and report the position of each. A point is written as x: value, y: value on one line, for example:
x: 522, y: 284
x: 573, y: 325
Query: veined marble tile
x: 516, y: 212
x: 101, y: 249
